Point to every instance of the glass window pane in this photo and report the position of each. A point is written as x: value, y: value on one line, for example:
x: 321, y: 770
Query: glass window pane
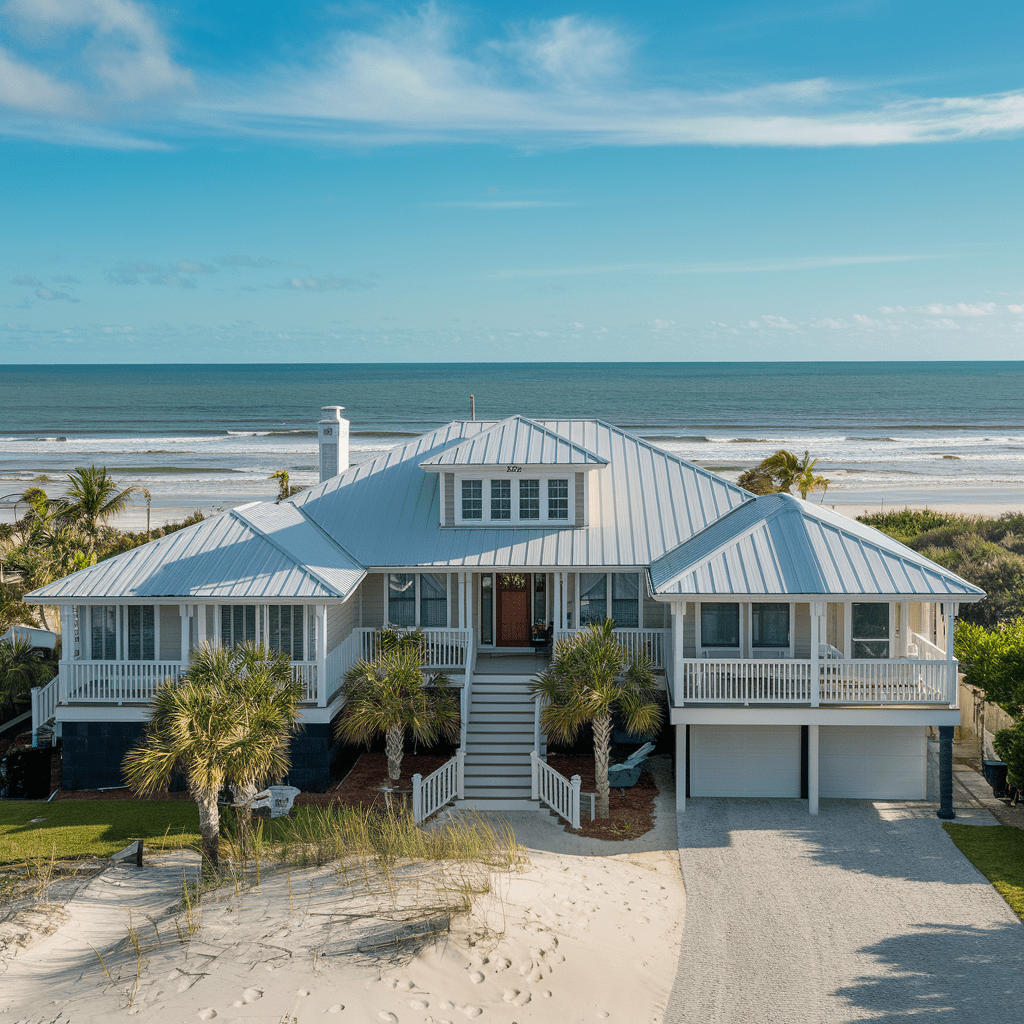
x: 720, y: 625
x: 770, y: 625
x: 472, y: 499
x: 870, y: 631
x: 433, y: 599
x: 558, y: 499
x: 539, y: 603
x: 402, y: 598
x: 298, y: 619
x: 486, y: 609
x: 626, y: 600
x: 870, y: 648
x: 501, y: 499
x: 104, y: 632
x: 529, y: 499
x: 134, y: 632
x: 593, y: 597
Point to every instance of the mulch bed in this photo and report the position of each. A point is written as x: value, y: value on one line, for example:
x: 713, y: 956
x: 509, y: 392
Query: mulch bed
x: 362, y: 786
x: 631, y: 811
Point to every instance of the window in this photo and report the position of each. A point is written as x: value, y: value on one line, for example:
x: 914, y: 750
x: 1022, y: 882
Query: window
x: 529, y: 499
x: 593, y: 598
x: 870, y: 631
x: 141, y: 632
x: 237, y: 624
x: 626, y: 600
x: 472, y: 499
x: 769, y: 625
x: 486, y: 609
x: 284, y: 629
x: 540, y: 608
x: 433, y: 599
x: 558, y: 499
x: 103, y: 629
x: 719, y: 625
x: 501, y: 499
x: 402, y: 592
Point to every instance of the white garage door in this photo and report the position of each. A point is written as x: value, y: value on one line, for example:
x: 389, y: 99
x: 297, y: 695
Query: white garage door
x: 745, y: 760
x: 873, y: 762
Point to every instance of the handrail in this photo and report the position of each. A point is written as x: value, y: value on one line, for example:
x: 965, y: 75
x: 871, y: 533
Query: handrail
x: 441, y: 787
x: 653, y: 644
x: 44, y: 705
x: 926, y: 647
x: 562, y: 795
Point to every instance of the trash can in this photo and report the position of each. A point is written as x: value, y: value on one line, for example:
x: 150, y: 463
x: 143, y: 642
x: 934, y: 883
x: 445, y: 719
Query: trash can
x: 995, y: 776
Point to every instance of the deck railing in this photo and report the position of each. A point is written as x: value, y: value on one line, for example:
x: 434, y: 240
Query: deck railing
x: 430, y: 794
x: 653, y: 644
x: 926, y: 649
x: 442, y: 648
x: 304, y: 672
x: 115, y: 681
x: 44, y: 704
x: 790, y: 681
x: 562, y: 795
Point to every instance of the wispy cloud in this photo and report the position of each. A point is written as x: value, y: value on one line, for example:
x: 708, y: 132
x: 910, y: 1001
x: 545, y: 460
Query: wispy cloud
x: 757, y: 267
x: 255, y: 262
x: 422, y: 77
x: 330, y: 283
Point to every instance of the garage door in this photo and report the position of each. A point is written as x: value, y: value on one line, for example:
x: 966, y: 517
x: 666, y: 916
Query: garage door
x: 744, y: 760
x: 873, y: 762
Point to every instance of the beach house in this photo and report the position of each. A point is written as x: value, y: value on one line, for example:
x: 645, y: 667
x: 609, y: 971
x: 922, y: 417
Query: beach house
x: 801, y: 654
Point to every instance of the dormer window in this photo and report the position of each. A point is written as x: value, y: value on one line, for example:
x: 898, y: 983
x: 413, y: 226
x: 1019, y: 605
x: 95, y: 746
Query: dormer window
x: 529, y: 499
x: 558, y: 499
x: 472, y: 499
x: 501, y: 499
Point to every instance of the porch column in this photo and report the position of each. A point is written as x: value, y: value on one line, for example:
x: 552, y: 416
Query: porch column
x: 818, y: 609
x: 321, y: 655
x: 951, y: 681
x: 67, y: 632
x: 678, y: 610
x: 200, y: 624
x: 463, y: 603
x: 556, y: 599
x: 183, y: 612
x: 945, y: 810
x: 680, y: 767
x: 812, y: 769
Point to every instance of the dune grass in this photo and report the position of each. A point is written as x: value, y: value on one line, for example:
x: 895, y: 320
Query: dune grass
x: 997, y: 851
x: 92, y: 828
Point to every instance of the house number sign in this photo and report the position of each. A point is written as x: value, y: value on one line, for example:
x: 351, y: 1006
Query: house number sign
x: 328, y: 431
x: 514, y: 469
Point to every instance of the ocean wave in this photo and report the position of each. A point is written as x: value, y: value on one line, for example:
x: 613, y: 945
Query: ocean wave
x: 695, y: 438
x: 750, y: 440
x: 855, y: 438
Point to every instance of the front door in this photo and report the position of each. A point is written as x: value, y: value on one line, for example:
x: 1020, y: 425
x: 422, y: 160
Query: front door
x: 513, y: 609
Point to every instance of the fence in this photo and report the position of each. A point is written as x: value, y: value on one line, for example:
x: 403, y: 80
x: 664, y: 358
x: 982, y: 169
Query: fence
x: 430, y: 794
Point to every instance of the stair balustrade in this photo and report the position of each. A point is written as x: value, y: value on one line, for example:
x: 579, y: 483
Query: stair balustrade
x: 430, y: 794
x: 552, y: 788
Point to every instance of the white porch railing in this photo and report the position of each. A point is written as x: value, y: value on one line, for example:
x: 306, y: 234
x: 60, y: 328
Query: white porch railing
x: 789, y: 681
x: 443, y: 648
x: 304, y: 672
x: 653, y: 644
x: 562, y: 795
x: 430, y: 794
x: 44, y: 704
x: 926, y: 649
x: 107, y: 681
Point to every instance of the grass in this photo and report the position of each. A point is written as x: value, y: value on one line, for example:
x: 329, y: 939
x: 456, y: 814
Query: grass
x: 93, y: 828
x: 997, y: 851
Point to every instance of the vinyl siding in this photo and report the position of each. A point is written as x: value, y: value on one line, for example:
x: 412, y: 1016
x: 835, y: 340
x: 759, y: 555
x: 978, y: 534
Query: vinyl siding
x: 341, y: 620
x: 372, y: 590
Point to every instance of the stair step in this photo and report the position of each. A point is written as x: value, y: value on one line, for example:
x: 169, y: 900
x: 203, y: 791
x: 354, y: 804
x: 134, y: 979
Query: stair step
x: 523, y: 728
x: 505, y: 793
x: 489, y: 757
x: 503, y: 750
x: 523, y: 707
x: 509, y: 718
x: 497, y: 770
x: 497, y: 804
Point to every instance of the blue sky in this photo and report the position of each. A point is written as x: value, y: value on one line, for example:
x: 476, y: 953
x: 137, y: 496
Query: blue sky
x: 228, y: 181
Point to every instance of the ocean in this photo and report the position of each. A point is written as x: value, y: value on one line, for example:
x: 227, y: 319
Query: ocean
x: 187, y: 432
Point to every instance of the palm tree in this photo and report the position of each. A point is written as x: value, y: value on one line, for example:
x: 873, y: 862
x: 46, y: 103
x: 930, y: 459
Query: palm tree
x: 587, y: 680
x: 807, y: 481
x: 388, y: 697
x: 284, y: 489
x: 92, y: 499
x: 227, y: 722
x: 20, y: 670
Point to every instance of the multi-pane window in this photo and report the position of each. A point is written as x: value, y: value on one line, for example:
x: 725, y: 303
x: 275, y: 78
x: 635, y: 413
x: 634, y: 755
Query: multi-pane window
x: 626, y: 600
x: 433, y: 599
x: 558, y: 499
x: 402, y: 597
x: 103, y: 632
x: 769, y: 625
x: 472, y: 499
x: 141, y: 633
x: 720, y: 625
x: 501, y: 499
x: 284, y: 629
x: 870, y: 631
x: 529, y: 499
x: 593, y: 598
x: 237, y: 624
x: 486, y: 608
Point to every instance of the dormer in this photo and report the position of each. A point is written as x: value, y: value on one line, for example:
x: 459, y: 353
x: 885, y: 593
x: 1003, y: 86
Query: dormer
x: 517, y: 474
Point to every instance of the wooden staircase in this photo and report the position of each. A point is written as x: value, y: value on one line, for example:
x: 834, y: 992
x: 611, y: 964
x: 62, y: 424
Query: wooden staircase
x: 499, y: 738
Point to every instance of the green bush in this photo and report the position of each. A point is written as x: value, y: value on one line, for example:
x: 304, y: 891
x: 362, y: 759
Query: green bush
x: 1009, y: 745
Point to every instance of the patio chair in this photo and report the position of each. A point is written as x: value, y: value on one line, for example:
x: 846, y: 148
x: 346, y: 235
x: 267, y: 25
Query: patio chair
x: 626, y: 774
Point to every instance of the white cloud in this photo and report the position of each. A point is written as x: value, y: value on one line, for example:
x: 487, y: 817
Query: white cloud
x: 962, y: 309
x: 26, y: 88
x: 191, y: 267
x: 570, y: 51
x: 330, y: 283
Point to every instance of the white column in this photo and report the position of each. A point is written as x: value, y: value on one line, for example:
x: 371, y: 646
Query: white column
x: 681, y: 767
x: 812, y: 769
x: 462, y: 600
x: 200, y: 624
x: 951, y: 684
x: 321, y: 655
x: 67, y: 632
x: 556, y: 598
x: 678, y: 610
x: 817, y: 613
x: 183, y: 612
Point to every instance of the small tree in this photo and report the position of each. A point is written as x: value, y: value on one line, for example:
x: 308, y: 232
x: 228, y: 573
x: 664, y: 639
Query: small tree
x: 782, y: 472
x: 21, y: 668
x: 92, y: 499
x: 589, y: 678
x: 388, y: 697
x: 227, y: 722
x: 284, y: 489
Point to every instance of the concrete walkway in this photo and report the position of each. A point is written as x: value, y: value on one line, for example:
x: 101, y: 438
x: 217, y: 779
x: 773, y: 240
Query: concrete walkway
x: 866, y: 912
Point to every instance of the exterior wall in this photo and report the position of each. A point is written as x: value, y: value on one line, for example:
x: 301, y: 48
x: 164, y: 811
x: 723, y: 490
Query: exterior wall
x: 656, y: 613
x: 372, y: 591
x: 873, y: 762
x: 802, y: 631
x: 690, y: 631
x: 341, y: 620
x: 170, y: 632
x: 835, y: 625
x: 312, y: 751
x: 92, y: 752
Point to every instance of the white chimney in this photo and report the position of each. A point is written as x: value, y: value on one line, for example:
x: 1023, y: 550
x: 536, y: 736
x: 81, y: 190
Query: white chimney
x: 332, y: 433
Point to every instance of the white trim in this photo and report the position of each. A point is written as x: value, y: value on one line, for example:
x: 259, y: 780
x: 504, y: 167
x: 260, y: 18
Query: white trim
x: 694, y: 715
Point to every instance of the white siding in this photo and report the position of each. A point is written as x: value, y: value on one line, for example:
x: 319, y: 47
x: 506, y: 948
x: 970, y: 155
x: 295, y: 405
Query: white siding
x: 690, y: 631
x: 656, y: 614
x: 170, y: 633
x: 745, y: 760
x: 872, y: 762
x: 372, y: 591
x: 341, y: 620
x: 802, y: 631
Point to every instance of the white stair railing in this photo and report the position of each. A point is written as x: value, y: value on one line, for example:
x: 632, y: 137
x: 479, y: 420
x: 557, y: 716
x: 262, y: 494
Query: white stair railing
x: 44, y: 705
x: 430, y: 794
x: 926, y: 650
x: 562, y: 795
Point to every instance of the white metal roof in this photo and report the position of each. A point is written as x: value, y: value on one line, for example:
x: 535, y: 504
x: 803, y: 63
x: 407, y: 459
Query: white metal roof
x: 779, y: 544
x: 516, y: 441
x: 255, y: 551
x: 386, y: 511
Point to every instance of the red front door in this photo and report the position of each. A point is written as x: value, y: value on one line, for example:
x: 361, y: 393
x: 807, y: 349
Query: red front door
x: 513, y: 609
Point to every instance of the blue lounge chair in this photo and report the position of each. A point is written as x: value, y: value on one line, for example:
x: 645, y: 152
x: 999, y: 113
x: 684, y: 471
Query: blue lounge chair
x: 626, y: 774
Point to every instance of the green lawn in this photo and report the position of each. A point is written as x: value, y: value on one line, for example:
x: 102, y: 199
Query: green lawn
x: 87, y: 828
x: 997, y: 851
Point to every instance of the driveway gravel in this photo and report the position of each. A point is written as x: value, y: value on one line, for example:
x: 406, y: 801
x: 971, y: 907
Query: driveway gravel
x: 866, y: 912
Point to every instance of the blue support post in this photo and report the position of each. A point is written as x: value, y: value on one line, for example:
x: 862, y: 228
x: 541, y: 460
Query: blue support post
x: 946, y: 811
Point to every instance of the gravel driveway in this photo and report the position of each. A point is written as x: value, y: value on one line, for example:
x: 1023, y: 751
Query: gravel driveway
x: 867, y: 912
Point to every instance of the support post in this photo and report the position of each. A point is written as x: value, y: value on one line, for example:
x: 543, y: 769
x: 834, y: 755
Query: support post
x: 818, y: 611
x: 946, y: 811
x: 37, y: 715
x: 812, y: 769
x: 534, y: 776
x: 321, y: 655
x: 183, y: 611
x: 678, y: 611
x: 460, y: 780
x: 575, y: 782
x: 680, y: 767
x: 417, y: 798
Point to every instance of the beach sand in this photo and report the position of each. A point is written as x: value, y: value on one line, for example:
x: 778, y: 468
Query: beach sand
x: 586, y: 931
